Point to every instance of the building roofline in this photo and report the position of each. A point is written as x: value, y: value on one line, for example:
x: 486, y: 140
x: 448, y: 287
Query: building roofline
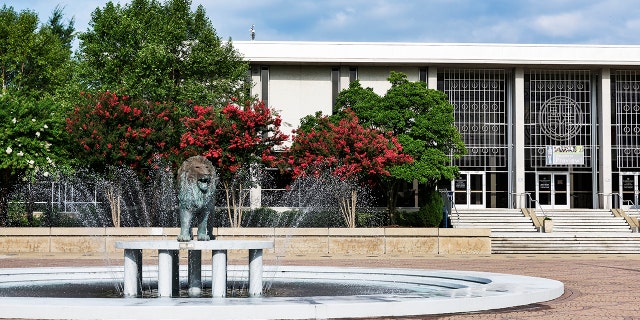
x: 288, y: 52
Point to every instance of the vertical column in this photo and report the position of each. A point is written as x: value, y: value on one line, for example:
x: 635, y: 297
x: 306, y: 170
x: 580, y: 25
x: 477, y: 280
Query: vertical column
x: 132, y: 272
x: 168, y: 282
x: 219, y: 278
x: 255, y: 272
x: 519, y: 131
x: 344, y: 78
x: 432, y: 78
x: 195, y: 272
x: 604, y: 154
x: 175, y: 273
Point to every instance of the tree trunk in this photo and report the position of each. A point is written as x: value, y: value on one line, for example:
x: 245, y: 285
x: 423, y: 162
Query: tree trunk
x: 392, y: 201
x: 114, y: 196
x: 348, y: 208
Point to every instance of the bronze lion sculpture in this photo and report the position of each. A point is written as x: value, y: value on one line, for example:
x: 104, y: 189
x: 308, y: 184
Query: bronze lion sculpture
x: 196, y: 196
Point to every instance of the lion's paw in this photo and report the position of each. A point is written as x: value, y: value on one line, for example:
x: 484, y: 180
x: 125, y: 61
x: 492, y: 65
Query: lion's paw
x: 203, y: 237
x: 184, y: 238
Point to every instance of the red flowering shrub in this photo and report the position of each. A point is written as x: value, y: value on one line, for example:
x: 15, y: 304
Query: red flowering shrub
x: 116, y: 130
x: 350, y: 151
x: 233, y: 138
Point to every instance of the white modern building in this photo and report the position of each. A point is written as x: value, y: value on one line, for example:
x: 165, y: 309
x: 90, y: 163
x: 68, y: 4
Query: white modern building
x: 557, y: 124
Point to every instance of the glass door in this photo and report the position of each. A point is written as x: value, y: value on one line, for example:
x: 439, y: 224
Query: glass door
x: 469, y: 190
x: 552, y: 190
x: 629, y: 190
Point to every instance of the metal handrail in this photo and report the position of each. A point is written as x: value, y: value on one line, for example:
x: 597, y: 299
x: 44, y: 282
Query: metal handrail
x: 629, y: 202
x: 531, y: 200
x: 453, y: 207
x: 537, y: 204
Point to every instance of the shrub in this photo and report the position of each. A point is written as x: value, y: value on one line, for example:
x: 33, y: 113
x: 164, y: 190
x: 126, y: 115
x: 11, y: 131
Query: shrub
x: 431, y: 213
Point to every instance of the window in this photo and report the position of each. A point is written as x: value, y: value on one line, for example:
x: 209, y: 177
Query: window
x: 353, y: 74
x: 264, y: 79
x: 626, y: 119
x: 423, y: 75
x: 480, y: 107
x: 558, y: 114
x: 335, y: 86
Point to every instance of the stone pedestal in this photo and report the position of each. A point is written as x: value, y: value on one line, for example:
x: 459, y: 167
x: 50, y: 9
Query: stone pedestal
x: 168, y: 265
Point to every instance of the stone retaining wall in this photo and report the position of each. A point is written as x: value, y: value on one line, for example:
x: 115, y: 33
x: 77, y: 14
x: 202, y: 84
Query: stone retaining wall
x: 291, y: 242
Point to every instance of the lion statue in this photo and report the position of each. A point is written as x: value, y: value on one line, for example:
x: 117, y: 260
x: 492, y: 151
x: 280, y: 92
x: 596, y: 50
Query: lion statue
x: 196, y: 196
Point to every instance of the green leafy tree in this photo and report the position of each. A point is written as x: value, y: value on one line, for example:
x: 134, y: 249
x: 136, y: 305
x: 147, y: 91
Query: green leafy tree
x: 35, y: 59
x: 35, y: 63
x: 31, y: 143
x: 160, y: 52
x: 422, y: 120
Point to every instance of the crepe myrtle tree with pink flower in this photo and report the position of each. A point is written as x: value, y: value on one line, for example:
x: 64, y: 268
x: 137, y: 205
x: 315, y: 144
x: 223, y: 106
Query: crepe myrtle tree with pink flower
x: 238, y: 140
x: 353, y: 153
x: 108, y: 131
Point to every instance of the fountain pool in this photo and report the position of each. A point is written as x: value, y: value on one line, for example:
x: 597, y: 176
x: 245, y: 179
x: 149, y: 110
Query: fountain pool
x: 378, y: 292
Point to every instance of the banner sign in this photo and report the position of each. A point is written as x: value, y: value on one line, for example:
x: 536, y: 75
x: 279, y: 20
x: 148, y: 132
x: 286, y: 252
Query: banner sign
x: 565, y: 155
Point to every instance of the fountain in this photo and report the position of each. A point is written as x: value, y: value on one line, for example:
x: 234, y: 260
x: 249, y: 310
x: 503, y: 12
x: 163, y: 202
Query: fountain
x: 310, y: 292
x: 407, y: 292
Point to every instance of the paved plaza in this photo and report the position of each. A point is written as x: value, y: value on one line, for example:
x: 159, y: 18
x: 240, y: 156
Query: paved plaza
x: 596, y: 286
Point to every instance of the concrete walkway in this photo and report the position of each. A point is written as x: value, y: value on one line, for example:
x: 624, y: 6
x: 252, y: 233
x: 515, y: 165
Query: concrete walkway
x: 596, y: 286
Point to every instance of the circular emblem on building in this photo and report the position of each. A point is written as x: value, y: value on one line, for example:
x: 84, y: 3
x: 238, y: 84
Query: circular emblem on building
x: 560, y: 118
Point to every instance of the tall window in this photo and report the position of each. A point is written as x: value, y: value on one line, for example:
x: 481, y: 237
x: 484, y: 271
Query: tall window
x: 422, y: 75
x: 626, y: 119
x: 353, y: 74
x: 335, y: 86
x: 479, y: 101
x: 557, y: 113
x: 264, y: 79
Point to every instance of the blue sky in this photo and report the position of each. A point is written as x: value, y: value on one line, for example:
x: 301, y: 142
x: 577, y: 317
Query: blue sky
x: 440, y: 21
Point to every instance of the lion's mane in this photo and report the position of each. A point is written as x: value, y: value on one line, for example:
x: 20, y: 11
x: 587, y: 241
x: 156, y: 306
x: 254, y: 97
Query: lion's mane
x: 190, y: 196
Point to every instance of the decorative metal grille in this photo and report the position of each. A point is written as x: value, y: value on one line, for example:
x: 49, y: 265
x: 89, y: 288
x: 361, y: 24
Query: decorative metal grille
x: 626, y: 119
x: 558, y: 113
x: 479, y: 101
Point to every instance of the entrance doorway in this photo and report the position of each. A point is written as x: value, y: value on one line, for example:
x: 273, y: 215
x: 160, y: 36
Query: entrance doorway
x: 629, y: 190
x: 552, y: 190
x: 469, y: 190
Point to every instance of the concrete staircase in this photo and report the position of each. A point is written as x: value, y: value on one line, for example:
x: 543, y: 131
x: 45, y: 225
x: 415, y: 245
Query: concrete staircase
x: 580, y: 220
x: 577, y: 231
x: 498, y: 220
x: 566, y: 242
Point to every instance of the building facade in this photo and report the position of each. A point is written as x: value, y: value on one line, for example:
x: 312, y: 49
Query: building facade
x: 555, y: 126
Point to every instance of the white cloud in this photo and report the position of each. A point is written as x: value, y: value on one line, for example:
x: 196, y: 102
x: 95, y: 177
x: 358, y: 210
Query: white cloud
x: 561, y: 25
x: 532, y: 21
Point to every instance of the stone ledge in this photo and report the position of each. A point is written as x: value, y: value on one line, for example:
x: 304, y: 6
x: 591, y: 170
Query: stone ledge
x: 288, y: 241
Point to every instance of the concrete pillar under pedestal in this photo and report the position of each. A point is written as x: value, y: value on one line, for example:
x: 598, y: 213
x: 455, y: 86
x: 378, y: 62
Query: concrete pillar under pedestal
x: 132, y: 272
x: 195, y: 273
x: 255, y: 272
x: 168, y: 276
x: 219, y: 277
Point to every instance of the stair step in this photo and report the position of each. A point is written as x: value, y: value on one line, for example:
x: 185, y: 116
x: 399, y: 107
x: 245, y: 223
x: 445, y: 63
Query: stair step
x: 574, y: 231
x: 581, y: 242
